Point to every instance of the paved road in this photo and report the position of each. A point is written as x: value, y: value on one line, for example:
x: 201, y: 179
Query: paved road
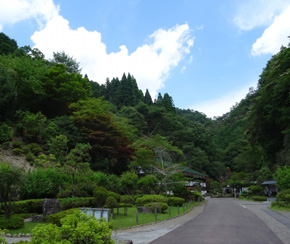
x: 222, y: 221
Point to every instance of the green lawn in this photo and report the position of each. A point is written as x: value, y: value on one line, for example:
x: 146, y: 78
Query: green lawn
x: 277, y: 208
x: 120, y: 220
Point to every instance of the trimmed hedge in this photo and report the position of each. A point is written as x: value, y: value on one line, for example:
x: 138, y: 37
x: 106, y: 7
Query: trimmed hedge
x: 160, y: 206
x: 15, y: 222
x: 284, y: 195
x: 55, y: 218
x: 175, y: 201
x: 27, y: 206
x: 259, y: 198
x: 127, y: 199
x: 141, y: 201
x: 197, y: 196
x: 76, y: 202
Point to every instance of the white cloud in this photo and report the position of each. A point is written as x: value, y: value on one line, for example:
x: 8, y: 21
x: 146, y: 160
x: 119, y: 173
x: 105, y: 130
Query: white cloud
x: 220, y: 106
x: 274, y: 36
x: 255, y: 13
x: 150, y: 63
x: 13, y: 11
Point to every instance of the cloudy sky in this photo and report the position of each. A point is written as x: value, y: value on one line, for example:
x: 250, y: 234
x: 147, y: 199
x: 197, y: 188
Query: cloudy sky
x: 205, y: 54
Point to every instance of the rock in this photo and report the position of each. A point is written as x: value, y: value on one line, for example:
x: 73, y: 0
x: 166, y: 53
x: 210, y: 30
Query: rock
x: 144, y: 210
x: 50, y: 206
x: 38, y: 218
x: 27, y: 235
x: 8, y: 235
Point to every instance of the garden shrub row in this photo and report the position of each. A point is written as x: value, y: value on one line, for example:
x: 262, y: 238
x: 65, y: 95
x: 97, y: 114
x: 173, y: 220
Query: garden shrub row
x: 149, y: 199
x: 159, y: 206
x: 14, y: 222
x: 55, y: 218
x: 259, y: 198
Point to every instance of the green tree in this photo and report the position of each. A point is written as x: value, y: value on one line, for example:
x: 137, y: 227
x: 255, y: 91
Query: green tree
x: 72, y: 66
x: 129, y: 182
x: 147, y: 98
x: 148, y: 184
x: 10, y: 181
x: 58, y: 147
x: 282, y: 176
x: 7, y: 45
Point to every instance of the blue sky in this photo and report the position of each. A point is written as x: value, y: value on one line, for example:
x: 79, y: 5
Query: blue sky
x: 205, y: 54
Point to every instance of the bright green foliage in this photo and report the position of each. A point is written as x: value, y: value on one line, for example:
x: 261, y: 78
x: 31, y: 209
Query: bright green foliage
x: 175, y: 201
x: 114, y: 183
x: 77, y: 202
x: 127, y: 199
x: 56, y: 218
x: 197, y: 196
x: 2, y: 239
x: 14, y: 222
x: 43, y: 183
x: 31, y: 125
x: 75, y: 229
x: 179, y: 190
x: 284, y: 195
x: 10, y: 182
x: 148, y: 184
x: 256, y: 191
x: 149, y: 199
x: 282, y: 176
x: 129, y: 182
x: 6, y: 132
x: 58, y: 146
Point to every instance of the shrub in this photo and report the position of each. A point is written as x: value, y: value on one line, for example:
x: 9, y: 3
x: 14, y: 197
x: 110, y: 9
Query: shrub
x: 259, y: 198
x: 2, y: 239
x: 244, y: 194
x: 115, y: 195
x: 55, y: 218
x: 17, y: 144
x: 76, y: 202
x: 17, y: 151
x: 175, y: 201
x: 150, y: 198
x: 14, y: 222
x: 27, y: 206
x: 197, y: 196
x: 127, y: 199
x: 111, y: 203
x: 125, y: 205
x: 35, y: 148
x: 6, y: 132
x: 100, y: 195
x: 75, y: 228
x: 284, y: 195
x: 255, y: 191
x: 160, y: 206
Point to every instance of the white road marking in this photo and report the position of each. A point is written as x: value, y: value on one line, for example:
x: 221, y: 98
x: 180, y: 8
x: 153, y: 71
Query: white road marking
x: 243, y: 206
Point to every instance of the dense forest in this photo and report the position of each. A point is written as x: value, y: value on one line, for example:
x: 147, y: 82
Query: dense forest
x: 59, y: 119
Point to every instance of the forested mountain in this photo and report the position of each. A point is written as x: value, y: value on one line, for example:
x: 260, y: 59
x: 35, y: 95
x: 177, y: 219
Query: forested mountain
x: 53, y: 115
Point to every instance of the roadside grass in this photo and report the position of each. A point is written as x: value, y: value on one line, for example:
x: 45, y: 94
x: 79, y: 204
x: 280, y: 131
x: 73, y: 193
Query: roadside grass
x: 121, y: 221
x: 124, y: 221
x: 277, y: 208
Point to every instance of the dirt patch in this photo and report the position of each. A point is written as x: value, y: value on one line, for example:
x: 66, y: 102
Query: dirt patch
x: 6, y: 156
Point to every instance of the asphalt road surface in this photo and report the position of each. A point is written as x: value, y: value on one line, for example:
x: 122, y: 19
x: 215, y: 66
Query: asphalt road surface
x: 223, y: 221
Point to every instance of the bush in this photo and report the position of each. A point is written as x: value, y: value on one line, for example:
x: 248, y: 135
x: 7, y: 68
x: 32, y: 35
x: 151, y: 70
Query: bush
x: 197, y: 196
x: 175, y: 201
x: 100, y: 196
x: 6, y: 132
x: 111, y: 202
x: 17, y: 144
x: 55, y: 218
x: 35, y: 148
x: 259, y: 198
x: 127, y: 199
x: 17, y: 151
x: 115, y: 195
x: 255, y: 191
x: 75, y: 228
x: 27, y: 206
x: 160, y: 206
x: 244, y: 194
x: 284, y: 196
x: 14, y: 222
x: 150, y: 198
x: 125, y: 205
x: 76, y: 202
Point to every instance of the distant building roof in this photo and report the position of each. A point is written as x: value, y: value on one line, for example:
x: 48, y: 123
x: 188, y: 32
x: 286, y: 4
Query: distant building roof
x: 269, y: 182
x: 193, y: 172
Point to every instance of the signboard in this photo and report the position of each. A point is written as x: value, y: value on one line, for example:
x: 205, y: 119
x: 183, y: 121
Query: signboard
x: 97, y: 212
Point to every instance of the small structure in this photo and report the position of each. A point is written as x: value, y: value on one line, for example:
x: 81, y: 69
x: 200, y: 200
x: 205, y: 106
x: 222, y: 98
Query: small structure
x: 97, y: 212
x: 270, y: 189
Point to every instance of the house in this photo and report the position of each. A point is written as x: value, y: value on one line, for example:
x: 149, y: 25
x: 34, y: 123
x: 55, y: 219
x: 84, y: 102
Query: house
x: 270, y: 189
x: 198, y: 180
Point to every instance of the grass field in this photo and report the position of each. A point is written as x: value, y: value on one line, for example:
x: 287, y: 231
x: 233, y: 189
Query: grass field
x: 124, y: 221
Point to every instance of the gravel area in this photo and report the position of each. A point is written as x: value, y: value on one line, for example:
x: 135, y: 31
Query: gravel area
x: 274, y: 220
